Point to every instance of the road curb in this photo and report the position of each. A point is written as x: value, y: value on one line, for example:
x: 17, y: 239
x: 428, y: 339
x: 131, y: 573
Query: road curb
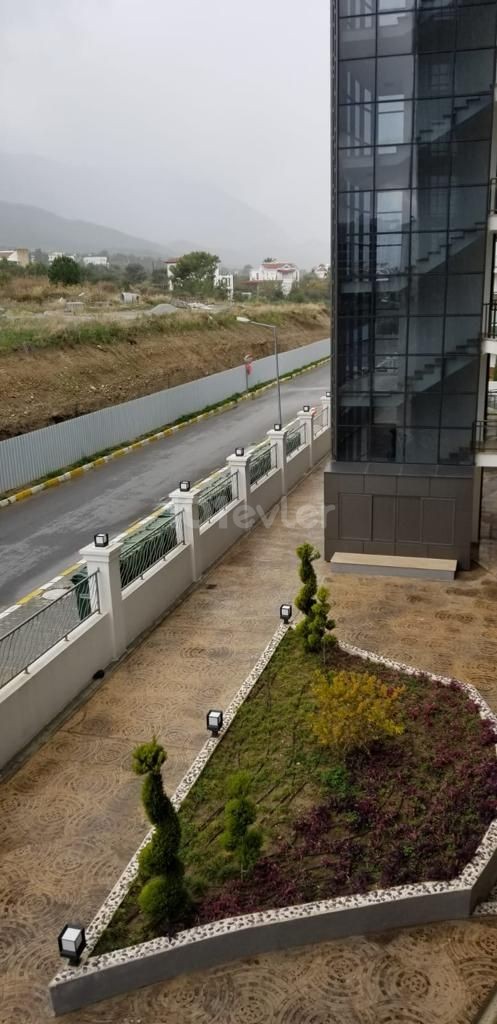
x: 72, y: 474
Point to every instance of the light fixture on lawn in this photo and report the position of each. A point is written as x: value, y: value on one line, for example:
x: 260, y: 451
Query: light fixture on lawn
x: 101, y: 540
x: 306, y: 408
x: 214, y: 722
x: 277, y: 426
x: 72, y: 942
x: 328, y: 394
x: 184, y: 485
x: 240, y: 451
x: 285, y: 613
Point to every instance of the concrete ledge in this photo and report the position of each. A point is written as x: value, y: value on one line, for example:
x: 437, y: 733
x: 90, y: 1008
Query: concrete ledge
x: 393, y: 565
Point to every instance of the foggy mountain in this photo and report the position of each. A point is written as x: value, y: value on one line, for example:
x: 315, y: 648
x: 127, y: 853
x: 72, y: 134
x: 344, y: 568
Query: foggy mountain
x: 147, y: 203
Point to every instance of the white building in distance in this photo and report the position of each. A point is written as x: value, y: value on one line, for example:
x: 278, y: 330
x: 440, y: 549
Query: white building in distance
x: 322, y: 271
x: 96, y: 261
x: 278, y: 271
x: 20, y: 257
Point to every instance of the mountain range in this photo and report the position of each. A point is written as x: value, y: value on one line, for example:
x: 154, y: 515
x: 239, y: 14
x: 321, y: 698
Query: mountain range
x: 51, y: 205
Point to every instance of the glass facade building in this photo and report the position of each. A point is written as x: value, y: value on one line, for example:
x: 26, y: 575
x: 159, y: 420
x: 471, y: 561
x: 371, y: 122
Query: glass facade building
x: 413, y: 115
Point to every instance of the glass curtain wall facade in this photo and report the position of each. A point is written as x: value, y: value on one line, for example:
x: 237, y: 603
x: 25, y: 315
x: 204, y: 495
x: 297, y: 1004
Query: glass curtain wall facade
x: 413, y: 119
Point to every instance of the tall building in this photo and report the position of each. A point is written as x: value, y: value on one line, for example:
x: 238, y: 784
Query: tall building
x: 413, y: 155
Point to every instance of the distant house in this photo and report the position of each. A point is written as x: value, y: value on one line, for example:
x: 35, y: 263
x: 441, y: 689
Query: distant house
x: 130, y: 297
x: 286, y: 274
x: 220, y: 280
x: 96, y: 261
x: 322, y: 271
x: 56, y: 255
x: 20, y: 257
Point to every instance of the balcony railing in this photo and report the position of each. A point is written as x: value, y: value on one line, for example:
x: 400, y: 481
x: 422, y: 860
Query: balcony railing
x: 485, y: 436
x: 490, y: 320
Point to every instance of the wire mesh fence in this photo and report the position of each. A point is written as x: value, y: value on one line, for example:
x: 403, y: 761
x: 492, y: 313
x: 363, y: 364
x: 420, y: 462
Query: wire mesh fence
x: 295, y: 438
x: 321, y: 421
x: 24, y: 644
x: 151, y: 548
x: 216, y: 496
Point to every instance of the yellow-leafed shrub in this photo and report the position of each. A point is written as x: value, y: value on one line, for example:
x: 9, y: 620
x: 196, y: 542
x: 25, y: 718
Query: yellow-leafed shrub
x: 354, y: 710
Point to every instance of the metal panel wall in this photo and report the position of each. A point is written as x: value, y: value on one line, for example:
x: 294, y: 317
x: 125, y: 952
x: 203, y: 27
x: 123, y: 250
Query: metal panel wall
x: 28, y: 457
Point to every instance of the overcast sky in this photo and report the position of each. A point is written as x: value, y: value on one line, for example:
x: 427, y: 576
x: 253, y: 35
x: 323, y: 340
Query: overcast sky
x: 225, y: 91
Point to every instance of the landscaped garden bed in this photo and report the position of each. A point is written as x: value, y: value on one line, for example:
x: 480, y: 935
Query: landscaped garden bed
x: 331, y: 809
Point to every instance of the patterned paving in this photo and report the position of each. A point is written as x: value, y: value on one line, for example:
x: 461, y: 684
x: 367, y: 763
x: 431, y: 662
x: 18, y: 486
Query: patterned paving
x: 71, y: 816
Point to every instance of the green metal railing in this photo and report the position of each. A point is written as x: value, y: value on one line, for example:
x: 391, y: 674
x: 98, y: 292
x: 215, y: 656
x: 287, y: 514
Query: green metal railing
x: 151, y: 547
x: 216, y: 496
x: 262, y: 461
x: 295, y: 438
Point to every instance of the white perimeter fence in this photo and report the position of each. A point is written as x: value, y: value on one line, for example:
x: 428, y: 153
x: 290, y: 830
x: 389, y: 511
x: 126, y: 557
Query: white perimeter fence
x: 32, y: 456
x: 47, y: 661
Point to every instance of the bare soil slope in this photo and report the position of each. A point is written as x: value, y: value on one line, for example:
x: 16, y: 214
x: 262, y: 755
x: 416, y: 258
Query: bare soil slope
x: 42, y: 386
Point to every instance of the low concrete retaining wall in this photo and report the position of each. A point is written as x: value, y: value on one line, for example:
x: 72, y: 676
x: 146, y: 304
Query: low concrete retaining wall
x: 253, y: 934
x: 31, y: 701
x: 148, y: 599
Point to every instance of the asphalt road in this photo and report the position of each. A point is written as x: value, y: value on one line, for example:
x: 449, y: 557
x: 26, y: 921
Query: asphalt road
x: 42, y: 536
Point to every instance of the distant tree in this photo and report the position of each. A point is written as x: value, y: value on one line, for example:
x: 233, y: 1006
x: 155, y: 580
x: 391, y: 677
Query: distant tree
x: 64, y: 270
x: 135, y: 273
x: 194, y: 273
x: 311, y: 289
x: 159, y: 277
x: 40, y: 257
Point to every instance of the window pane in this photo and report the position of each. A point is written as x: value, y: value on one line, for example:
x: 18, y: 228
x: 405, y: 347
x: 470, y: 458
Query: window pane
x: 434, y: 74
x: 354, y: 256
x: 385, y: 443
x: 355, y: 298
x: 354, y: 7
x: 456, y: 446
x: 393, y: 167
x: 426, y: 295
x: 464, y: 293
x: 354, y: 212
x: 462, y: 334
x: 357, y: 36
x: 421, y: 446
x: 355, y: 125
x: 470, y: 163
x: 458, y: 410
x: 432, y: 121
x: 395, y: 33
x: 423, y: 409
x: 393, y: 210
x: 429, y: 252
x: 395, y: 77
x: 474, y: 71
x: 436, y: 30
x: 430, y: 209
x: 356, y: 169
x: 466, y: 252
x: 390, y: 335
x: 424, y: 373
x: 394, y: 122
x: 391, y: 294
x: 389, y: 373
x: 472, y: 117
x: 468, y: 207
x: 395, y: 5
x: 425, y: 334
x: 476, y: 27
x: 461, y: 374
x: 431, y: 165
x: 392, y: 254
x: 356, y: 81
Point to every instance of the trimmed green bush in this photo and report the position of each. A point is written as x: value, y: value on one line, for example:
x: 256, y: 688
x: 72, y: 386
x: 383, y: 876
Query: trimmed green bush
x: 306, y: 596
x: 239, y: 837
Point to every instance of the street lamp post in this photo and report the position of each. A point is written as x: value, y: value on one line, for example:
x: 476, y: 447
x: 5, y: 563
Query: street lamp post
x: 269, y: 327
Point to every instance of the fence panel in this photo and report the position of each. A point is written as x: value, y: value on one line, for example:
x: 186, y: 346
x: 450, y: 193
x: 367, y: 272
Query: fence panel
x: 295, y: 438
x: 216, y: 496
x: 31, y: 456
x: 151, y: 548
x: 321, y: 421
x: 35, y: 636
x: 262, y: 461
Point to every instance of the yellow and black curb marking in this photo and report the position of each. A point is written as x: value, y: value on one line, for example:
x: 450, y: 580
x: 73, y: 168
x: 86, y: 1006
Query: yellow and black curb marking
x: 72, y: 474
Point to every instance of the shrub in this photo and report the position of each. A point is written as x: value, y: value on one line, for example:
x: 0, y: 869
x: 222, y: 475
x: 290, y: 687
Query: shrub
x: 314, y: 627
x: 337, y: 781
x: 354, y: 711
x: 239, y: 837
x: 306, y: 596
x: 159, y: 863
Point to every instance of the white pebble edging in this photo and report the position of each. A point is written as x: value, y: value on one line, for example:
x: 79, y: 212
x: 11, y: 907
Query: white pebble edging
x: 221, y: 941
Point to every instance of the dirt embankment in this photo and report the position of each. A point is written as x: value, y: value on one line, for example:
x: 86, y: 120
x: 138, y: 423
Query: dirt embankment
x: 47, y: 385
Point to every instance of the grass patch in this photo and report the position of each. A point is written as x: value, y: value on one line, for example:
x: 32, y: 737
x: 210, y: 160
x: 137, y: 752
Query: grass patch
x: 28, y: 338
x: 414, y: 809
